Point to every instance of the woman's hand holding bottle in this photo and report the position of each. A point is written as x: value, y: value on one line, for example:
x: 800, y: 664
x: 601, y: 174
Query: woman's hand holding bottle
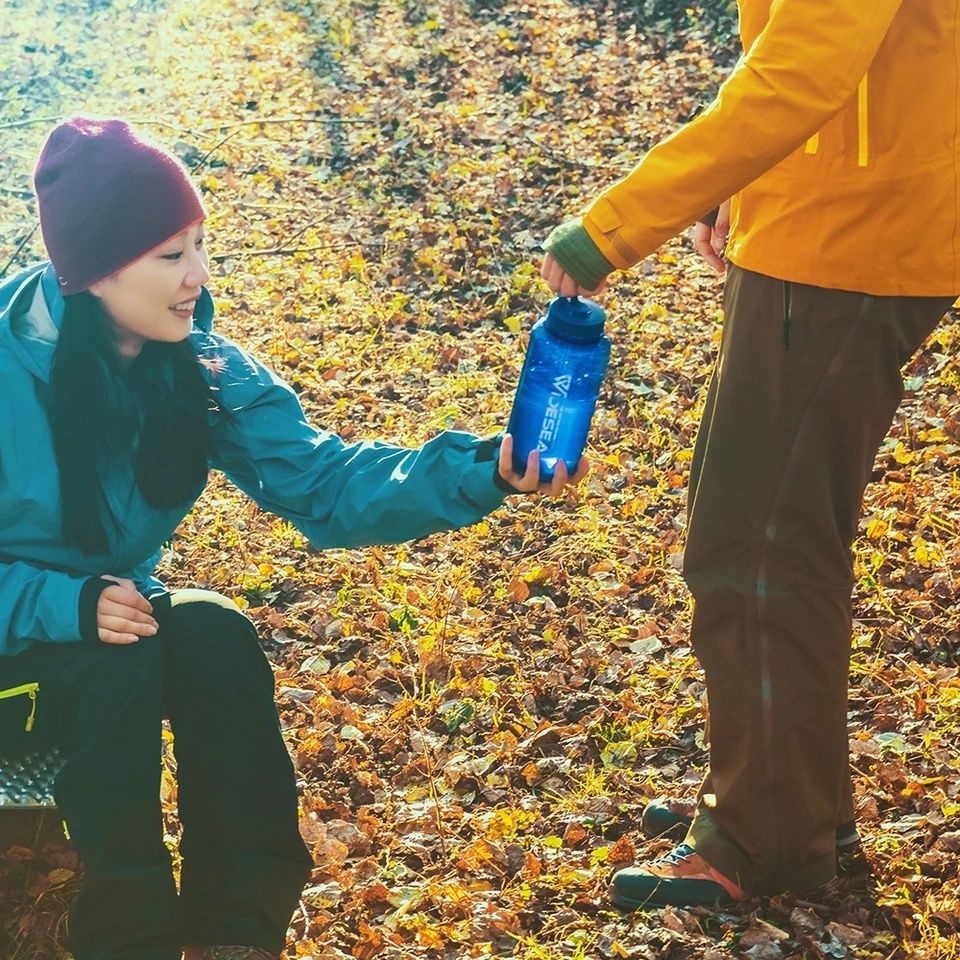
x: 530, y: 480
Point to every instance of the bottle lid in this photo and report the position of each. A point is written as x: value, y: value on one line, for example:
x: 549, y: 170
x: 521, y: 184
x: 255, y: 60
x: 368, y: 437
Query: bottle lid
x: 575, y: 318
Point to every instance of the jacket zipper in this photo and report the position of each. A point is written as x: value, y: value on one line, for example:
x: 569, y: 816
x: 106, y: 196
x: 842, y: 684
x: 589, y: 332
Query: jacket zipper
x: 787, y: 304
x: 26, y: 689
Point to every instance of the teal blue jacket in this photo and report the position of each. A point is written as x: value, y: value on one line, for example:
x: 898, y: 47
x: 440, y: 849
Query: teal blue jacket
x: 336, y: 494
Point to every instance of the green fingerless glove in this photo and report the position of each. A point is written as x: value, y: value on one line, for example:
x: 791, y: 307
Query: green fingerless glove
x: 570, y: 245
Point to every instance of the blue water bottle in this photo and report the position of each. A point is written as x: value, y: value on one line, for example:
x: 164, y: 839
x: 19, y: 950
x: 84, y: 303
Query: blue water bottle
x: 559, y: 384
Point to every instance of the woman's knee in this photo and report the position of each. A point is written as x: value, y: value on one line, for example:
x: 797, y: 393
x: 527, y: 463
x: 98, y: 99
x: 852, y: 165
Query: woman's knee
x: 209, y: 638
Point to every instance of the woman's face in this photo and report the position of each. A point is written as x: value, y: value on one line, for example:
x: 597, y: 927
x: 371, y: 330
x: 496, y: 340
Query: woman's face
x: 153, y: 298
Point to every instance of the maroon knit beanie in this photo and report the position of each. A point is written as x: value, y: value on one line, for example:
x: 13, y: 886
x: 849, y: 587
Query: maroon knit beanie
x: 107, y: 196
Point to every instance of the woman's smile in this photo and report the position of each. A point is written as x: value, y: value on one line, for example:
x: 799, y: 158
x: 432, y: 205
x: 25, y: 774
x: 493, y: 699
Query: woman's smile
x: 184, y: 310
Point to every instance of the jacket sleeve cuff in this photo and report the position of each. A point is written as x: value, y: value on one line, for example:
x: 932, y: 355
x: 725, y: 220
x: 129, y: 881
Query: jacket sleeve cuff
x: 89, y: 599
x: 573, y: 248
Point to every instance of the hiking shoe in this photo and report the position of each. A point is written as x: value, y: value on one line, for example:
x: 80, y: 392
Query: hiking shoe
x: 237, y: 953
x: 671, y: 818
x: 682, y: 878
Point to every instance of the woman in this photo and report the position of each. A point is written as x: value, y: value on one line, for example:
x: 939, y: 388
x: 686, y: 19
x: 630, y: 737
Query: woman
x: 119, y: 399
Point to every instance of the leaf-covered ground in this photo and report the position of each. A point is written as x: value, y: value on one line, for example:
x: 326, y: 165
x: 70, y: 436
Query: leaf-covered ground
x: 478, y: 718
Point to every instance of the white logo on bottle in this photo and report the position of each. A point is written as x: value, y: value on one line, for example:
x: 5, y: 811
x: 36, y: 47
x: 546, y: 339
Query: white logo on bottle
x: 553, y: 415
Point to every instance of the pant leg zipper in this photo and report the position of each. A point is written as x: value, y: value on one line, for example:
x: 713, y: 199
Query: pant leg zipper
x: 29, y: 690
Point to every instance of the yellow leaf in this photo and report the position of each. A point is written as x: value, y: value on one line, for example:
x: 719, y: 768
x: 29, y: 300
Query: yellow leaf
x: 902, y: 455
x: 877, y: 528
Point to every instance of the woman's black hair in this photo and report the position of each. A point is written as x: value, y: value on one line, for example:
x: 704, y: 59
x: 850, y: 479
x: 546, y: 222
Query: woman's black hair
x: 152, y: 413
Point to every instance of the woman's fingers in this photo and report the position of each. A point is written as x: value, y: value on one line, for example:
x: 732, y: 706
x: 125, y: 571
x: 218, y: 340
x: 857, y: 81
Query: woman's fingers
x: 112, y: 608
x: 531, y: 478
x: 128, y: 584
x: 121, y: 624
x: 129, y: 596
x: 559, y: 481
x: 583, y: 467
x: 109, y: 636
x: 123, y: 615
x: 505, y: 461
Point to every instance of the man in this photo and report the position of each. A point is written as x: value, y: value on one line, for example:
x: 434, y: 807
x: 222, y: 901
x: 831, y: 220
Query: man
x: 837, y: 138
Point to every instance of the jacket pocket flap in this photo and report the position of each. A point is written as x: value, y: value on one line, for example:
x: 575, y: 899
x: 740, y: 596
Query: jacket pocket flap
x: 604, y: 215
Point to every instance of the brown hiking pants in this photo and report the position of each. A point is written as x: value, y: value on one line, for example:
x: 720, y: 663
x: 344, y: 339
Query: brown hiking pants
x: 804, y: 391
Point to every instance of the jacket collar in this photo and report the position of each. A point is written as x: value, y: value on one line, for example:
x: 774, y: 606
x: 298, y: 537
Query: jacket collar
x: 31, y: 310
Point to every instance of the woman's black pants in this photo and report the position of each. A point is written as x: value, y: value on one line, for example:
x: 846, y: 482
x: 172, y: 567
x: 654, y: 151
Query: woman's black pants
x: 243, y: 861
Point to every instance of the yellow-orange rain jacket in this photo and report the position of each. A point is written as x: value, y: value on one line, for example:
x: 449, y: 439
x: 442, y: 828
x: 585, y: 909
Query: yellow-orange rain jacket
x: 837, y: 137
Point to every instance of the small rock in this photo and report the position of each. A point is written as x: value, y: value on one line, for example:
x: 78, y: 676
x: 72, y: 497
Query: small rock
x: 646, y: 646
x: 316, y: 665
x: 298, y: 694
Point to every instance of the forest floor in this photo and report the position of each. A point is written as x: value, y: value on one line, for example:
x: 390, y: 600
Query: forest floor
x: 478, y: 718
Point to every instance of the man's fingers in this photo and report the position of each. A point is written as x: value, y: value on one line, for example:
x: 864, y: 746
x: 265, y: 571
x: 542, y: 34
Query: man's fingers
x: 706, y: 251
x: 568, y: 286
x: 546, y: 266
x: 554, y: 275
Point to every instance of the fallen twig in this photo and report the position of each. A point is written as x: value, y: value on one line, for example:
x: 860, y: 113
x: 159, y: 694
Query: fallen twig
x: 286, y: 251
x: 16, y: 253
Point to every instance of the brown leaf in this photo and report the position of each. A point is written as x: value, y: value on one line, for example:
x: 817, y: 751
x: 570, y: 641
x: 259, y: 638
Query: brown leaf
x: 622, y: 851
x: 518, y: 590
x: 574, y: 834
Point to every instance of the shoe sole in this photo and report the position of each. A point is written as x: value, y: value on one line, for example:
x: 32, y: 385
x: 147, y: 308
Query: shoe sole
x: 677, y: 893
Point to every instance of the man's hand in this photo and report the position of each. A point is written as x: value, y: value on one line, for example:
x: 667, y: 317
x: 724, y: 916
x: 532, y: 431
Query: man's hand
x: 123, y: 614
x: 530, y: 480
x: 710, y: 241
x: 562, y: 283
